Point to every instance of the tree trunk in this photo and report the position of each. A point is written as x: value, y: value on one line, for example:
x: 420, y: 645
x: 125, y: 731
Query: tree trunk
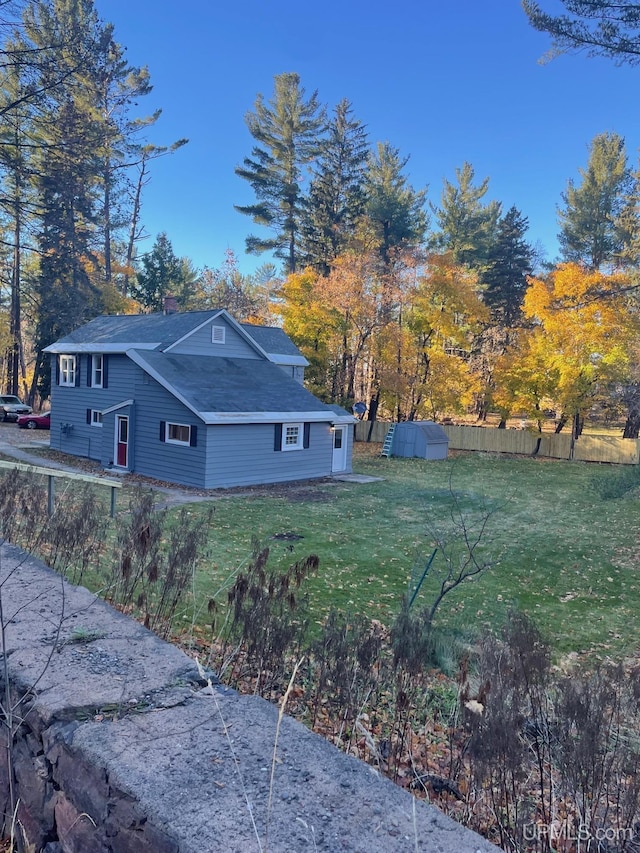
x: 133, y: 226
x: 561, y: 424
x: 373, y: 411
x: 632, y: 425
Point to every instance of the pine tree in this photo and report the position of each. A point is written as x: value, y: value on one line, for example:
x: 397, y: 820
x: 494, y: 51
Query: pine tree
x: 509, y: 264
x: 161, y: 274
x: 118, y: 87
x: 628, y: 225
x: 336, y: 199
x: 395, y: 210
x: 467, y: 225
x: 590, y: 233
x: 68, y: 168
x: 287, y: 131
x: 17, y: 201
x: 597, y: 26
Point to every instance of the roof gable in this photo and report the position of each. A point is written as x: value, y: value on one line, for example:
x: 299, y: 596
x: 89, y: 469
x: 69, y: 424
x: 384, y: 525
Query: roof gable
x: 167, y: 332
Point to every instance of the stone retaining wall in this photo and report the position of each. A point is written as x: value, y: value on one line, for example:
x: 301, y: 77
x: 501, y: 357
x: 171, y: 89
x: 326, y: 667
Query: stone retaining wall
x: 123, y: 749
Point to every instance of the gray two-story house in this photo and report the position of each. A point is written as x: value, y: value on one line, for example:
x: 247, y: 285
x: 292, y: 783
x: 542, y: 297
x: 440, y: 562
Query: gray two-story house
x: 193, y: 398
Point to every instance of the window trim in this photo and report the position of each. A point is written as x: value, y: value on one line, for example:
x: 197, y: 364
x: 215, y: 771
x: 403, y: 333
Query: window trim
x: 96, y: 359
x: 95, y: 417
x: 183, y: 443
x: 68, y: 365
x: 299, y: 444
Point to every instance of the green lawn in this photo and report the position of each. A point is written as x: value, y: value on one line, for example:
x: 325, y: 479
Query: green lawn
x: 559, y: 552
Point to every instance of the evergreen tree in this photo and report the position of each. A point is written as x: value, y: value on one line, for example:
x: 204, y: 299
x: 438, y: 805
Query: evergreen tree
x: 17, y: 201
x: 394, y: 210
x: 509, y: 264
x: 590, y: 221
x: 597, y: 26
x: 161, y: 274
x: 68, y: 168
x: 628, y: 224
x: 118, y: 87
x: 467, y: 225
x: 336, y: 198
x: 286, y: 130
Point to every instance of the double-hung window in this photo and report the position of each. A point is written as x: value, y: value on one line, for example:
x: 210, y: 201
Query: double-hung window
x: 67, y: 370
x: 97, y: 371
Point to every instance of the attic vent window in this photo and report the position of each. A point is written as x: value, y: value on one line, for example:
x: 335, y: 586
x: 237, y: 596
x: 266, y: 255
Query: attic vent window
x: 217, y: 334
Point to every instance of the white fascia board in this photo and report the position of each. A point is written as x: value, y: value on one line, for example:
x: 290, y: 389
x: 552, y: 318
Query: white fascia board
x: 234, y: 325
x: 293, y: 360
x: 344, y: 419
x: 103, y: 349
x: 266, y: 417
x: 117, y: 406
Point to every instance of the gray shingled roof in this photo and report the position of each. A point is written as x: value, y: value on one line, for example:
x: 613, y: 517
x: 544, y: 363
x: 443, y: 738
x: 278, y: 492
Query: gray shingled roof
x: 164, y: 329
x: 230, y: 385
x: 131, y: 329
x: 271, y: 339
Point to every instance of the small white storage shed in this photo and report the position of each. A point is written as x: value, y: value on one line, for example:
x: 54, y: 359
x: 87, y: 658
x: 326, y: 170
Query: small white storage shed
x: 423, y: 439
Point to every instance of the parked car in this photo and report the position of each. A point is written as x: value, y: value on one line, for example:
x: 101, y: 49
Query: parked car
x: 35, y: 421
x: 11, y: 407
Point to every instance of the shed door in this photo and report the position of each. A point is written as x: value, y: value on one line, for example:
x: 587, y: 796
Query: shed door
x: 122, y: 441
x: 339, y: 459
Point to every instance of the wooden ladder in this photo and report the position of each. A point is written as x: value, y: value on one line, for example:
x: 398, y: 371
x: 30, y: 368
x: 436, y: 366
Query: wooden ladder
x: 388, y: 441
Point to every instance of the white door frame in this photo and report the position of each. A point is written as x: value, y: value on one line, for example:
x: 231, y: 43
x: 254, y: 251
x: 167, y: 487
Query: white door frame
x: 121, y: 419
x: 339, y: 454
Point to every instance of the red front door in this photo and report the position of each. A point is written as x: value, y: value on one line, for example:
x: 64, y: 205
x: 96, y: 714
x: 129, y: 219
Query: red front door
x: 122, y: 441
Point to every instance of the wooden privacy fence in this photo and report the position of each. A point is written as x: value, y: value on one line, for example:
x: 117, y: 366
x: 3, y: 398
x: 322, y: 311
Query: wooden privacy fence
x: 588, y: 448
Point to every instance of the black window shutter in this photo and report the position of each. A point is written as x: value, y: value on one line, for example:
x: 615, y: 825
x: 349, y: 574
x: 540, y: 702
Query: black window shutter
x: 78, y: 366
x: 88, y: 416
x: 277, y: 437
x: 57, y: 370
x: 193, y: 439
x: 105, y: 371
x: 305, y: 435
x: 89, y: 368
x: 163, y: 425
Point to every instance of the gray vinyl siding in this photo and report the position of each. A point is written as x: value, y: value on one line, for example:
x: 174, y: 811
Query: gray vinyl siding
x: 294, y: 371
x: 161, y: 460
x: 229, y: 455
x: 199, y: 343
x: 70, y: 432
x: 244, y: 455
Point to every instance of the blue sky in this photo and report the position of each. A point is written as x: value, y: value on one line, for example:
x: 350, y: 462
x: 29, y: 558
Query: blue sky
x: 445, y: 82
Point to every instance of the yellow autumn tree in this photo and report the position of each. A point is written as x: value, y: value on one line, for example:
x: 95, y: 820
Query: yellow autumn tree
x: 424, y: 359
x: 581, y: 336
x: 524, y: 378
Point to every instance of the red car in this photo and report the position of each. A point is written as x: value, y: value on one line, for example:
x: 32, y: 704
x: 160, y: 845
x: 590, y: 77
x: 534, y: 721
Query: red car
x: 35, y: 421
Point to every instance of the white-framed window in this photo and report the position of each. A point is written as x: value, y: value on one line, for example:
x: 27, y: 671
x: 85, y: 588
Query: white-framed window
x: 177, y: 434
x: 96, y: 418
x: 97, y: 371
x: 292, y: 436
x: 218, y: 334
x: 67, y: 370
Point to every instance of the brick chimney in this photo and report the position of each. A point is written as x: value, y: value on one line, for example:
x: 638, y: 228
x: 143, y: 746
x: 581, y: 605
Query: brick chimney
x: 170, y: 305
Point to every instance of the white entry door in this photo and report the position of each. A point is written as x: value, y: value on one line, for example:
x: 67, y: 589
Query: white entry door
x: 339, y: 460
